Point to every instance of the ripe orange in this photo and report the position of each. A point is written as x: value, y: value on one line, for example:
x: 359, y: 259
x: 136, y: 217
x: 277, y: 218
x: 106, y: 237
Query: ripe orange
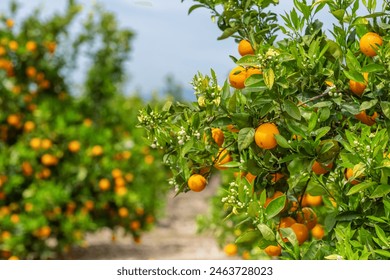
x: 123, y: 212
x: 74, y: 146
x: 313, y: 200
x: 276, y: 177
x: 252, y: 71
x: 51, y: 47
x: 9, y: 22
x: 218, y: 136
x: 273, y: 251
x: 369, y: 43
x: 250, y: 177
x: 318, y: 232
x: 245, y: 47
x: 367, y: 120
x: 307, y: 217
x: 104, y: 184
x: 135, y: 225
x: 301, y: 232
x: 28, y: 126
x: 13, y: 120
x: 286, y: 222
x: 230, y: 249
x: 31, y: 72
x: 358, y: 87
x: 319, y: 168
x: 116, y: 173
x: 237, y: 77
x: 97, y: 150
x: 31, y: 46
x: 232, y: 128
x: 13, y: 45
x: 46, y: 144
x: 49, y: 160
x: 348, y: 174
x: 197, y: 183
x: 27, y: 169
x: 264, y: 136
x: 223, y: 157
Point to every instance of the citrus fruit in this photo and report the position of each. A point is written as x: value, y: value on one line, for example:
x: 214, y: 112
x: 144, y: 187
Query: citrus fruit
x: 74, y: 146
x: 223, y: 157
x: 237, y: 77
x: 104, y: 184
x: 49, y: 160
x: 366, y: 119
x: 245, y: 47
x: 319, y: 168
x: 265, y: 136
x: 301, y: 231
x: 358, y: 87
x: 197, y: 183
x: 286, y: 222
x: 318, y: 231
x: 230, y: 249
x: 369, y: 43
x: 348, y: 174
x: 273, y: 251
x: 218, y: 136
x: 307, y: 217
x: 313, y: 200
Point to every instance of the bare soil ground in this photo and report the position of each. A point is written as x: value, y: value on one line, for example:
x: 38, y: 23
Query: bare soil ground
x: 174, y: 237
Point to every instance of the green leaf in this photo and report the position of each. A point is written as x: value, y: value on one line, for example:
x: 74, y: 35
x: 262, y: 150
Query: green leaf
x: 371, y: 68
x: 227, y: 33
x: 282, y: 142
x: 360, y: 187
x: 194, y: 7
x: 275, y: 207
x: 368, y: 104
x: 248, y: 237
x: 267, y: 233
x: 269, y: 78
x: 245, y: 137
x: 339, y: 14
x: 385, y: 105
x: 292, y: 109
x: 380, y: 191
x: 187, y: 146
x: 352, y: 62
x: 248, y: 60
x: 381, y: 235
x: 348, y: 216
x: 354, y: 76
x: 384, y: 253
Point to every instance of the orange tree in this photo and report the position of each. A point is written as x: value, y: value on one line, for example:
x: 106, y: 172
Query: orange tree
x: 302, y: 123
x: 70, y: 162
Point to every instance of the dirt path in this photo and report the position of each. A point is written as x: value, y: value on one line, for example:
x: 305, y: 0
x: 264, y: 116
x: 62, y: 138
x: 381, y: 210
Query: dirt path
x: 174, y: 237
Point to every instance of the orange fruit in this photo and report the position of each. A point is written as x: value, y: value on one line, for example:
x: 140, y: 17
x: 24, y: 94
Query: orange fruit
x: 276, y: 177
x: 49, y: 160
x: 286, y: 222
x: 31, y: 46
x: 318, y: 231
x: 149, y: 159
x: 28, y: 126
x: 135, y: 225
x: 97, y: 150
x: 31, y: 72
x: 367, y: 120
x: 123, y: 212
x: 230, y: 249
x: 237, y: 77
x: 348, y: 174
x: 13, y: 120
x: 250, y: 177
x: 369, y: 43
x: 46, y: 144
x: 51, y: 47
x: 27, y: 169
x: 313, y: 200
x: 245, y: 47
x: 43, y: 232
x: 223, y: 157
x: 319, y: 168
x: 9, y: 22
x: 273, y: 251
x: 358, y: 87
x: 197, y: 183
x: 307, y: 217
x: 301, y: 231
x: 104, y: 184
x: 265, y: 136
x: 252, y: 71
x: 218, y: 136
x: 13, y: 45
x: 74, y: 146
x: 116, y: 173
x: 232, y: 128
